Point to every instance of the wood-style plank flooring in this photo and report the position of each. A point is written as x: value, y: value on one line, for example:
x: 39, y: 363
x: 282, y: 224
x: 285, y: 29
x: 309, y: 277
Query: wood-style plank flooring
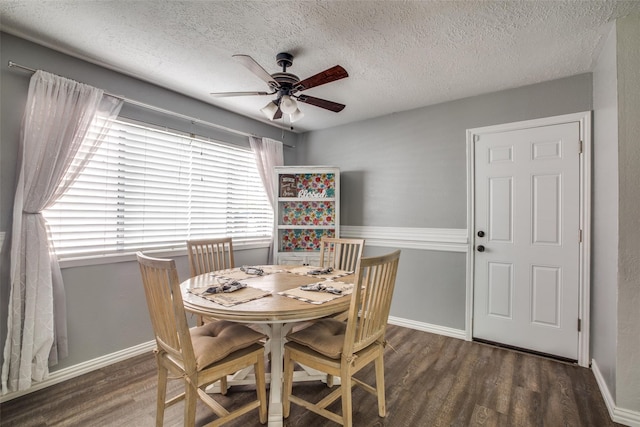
x: 431, y: 380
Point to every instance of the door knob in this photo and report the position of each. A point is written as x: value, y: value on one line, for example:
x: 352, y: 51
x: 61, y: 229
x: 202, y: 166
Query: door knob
x: 480, y: 248
x: 480, y: 233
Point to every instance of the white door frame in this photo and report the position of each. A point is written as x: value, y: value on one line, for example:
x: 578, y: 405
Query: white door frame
x: 584, y: 119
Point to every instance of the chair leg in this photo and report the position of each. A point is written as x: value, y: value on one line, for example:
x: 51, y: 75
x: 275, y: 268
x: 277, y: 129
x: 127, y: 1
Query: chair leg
x: 191, y: 398
x: 223, y: 386
x: 261, y: 388
x: 161, y: 395
x: 288, y: 383
x: 347, y: 407
x: 380, y: 385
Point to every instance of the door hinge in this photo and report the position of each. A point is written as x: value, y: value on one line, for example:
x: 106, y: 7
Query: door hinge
x: 580, y: 147
x: 579, y: 325
x: 580, y: 235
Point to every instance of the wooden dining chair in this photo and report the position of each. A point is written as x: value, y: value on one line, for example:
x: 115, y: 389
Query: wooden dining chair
x: 340, y: 254
x: 207, y: 255
x: 198, y: 356
x: 343, y: 348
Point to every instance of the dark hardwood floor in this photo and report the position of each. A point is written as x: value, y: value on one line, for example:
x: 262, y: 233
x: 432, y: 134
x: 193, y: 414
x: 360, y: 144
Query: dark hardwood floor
x: 431, y: 380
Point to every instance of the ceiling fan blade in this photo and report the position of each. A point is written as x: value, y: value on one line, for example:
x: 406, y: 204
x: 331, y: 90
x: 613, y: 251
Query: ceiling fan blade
x: 225, y: 94
x: 327, y: 76
x: 277, y: 115
x: 322, y: 103
x: 256, y: 69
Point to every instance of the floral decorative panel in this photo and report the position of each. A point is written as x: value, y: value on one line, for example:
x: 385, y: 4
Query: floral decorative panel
x: 317, y: 184
x: 303, y: 240
x: 307, y: 213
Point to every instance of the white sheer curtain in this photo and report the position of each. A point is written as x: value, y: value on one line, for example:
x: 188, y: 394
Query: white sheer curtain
x: 57, y: 119
x: 268, y: 154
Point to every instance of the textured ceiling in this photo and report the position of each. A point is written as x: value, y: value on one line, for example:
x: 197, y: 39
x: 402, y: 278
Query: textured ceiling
x: 399, y: 55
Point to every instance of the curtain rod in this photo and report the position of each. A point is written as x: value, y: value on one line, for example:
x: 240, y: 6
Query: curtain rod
x: 157, y: 109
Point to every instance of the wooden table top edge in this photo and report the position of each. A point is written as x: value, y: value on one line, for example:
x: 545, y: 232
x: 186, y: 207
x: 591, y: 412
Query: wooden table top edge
x: 265, y: 309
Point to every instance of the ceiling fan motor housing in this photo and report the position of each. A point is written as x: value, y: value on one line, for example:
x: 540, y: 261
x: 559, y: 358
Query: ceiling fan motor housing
x: 287, y: 82
x: 284, y: 79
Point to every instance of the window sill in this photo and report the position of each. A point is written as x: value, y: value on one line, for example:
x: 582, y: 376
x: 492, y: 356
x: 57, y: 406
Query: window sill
x: 131, y: 256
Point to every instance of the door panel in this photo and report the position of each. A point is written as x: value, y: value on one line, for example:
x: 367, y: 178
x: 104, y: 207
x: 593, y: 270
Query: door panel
x: 546, y: 211
x: 526, y: 281
x: 500, y: 290
x: 501, y: 209
x: 545, y: 298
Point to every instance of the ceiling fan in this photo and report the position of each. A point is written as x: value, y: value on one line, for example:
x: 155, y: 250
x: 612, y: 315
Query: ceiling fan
x: 286, y: 87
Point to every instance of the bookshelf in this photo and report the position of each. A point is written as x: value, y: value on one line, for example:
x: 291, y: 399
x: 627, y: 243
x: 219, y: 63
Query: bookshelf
x: 307, y: 209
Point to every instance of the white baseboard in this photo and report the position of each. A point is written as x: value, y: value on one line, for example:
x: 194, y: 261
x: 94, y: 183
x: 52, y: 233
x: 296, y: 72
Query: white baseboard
x: 618, y: 415
x: 83, y: 368
x: 428, y: 327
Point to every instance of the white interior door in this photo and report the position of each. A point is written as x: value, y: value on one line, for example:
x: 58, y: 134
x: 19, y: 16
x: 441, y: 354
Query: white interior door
x: 527, y: 243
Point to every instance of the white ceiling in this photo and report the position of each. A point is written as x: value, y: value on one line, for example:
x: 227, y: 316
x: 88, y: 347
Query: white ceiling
x: 399, y: 55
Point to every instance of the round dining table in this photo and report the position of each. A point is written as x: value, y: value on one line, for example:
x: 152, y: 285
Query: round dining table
x: 275, y: 314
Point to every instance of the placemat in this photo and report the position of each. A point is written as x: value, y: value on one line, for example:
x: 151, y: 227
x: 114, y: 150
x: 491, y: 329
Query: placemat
x: 304, y: 270
x: 229, y: 299
x: 236, y: 274
x: 314, y: 297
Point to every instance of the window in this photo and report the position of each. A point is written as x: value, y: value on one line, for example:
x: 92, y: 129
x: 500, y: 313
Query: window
x: 149, y: 189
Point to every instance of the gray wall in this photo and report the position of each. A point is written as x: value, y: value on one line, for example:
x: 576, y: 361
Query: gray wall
x: 604, y: 254
x: 616, y: 223
x: 106, y: 305
x: 409, y: 170
x: 628, y: 351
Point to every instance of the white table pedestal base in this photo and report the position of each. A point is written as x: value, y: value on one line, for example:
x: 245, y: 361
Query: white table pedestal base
x: 277, y: 333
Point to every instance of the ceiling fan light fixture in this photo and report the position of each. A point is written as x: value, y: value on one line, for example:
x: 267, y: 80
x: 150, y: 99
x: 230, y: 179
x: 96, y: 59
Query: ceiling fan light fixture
x: 296, y: 115
x: 288, y: 105
x: 270, y: 110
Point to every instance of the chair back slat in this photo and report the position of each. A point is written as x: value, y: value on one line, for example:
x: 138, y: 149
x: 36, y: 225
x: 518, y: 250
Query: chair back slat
x: 166, y: 309
x: 207, y: 255
x: 370, y: 301
x: 340, y: 254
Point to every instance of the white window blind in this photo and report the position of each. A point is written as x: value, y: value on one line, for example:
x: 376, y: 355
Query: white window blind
x: 148, y: 189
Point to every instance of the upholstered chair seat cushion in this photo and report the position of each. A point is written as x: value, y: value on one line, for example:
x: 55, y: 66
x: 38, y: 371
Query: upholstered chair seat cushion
x: 326, y: 336
x: 216, y: 340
